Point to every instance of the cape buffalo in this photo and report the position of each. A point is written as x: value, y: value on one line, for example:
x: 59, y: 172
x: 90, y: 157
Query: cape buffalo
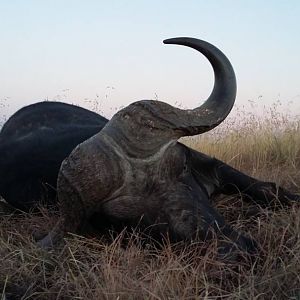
x: 135, y: 172
x: 34, y: 142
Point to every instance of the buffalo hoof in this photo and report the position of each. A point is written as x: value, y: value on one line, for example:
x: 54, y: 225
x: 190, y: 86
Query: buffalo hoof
x: 46, y: 243
x: 231, y: 252
x: 52, y: 238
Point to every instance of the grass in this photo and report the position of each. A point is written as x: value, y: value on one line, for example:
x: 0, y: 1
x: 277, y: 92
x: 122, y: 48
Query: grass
x: 123, y: 267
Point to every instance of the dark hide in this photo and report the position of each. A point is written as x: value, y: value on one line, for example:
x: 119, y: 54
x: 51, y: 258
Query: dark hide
x: 135, y: 172
x: 33, y: 143
x: 132, y: 171
x: 40, y: 136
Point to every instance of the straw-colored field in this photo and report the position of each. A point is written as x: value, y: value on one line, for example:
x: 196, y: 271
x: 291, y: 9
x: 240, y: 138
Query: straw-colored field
x: 121, y: 268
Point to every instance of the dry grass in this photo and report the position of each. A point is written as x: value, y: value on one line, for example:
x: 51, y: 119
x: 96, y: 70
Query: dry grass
x: 122, y: 267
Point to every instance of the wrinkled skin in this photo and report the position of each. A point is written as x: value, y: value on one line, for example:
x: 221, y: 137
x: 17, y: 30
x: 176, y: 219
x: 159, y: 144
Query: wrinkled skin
x: 135, y: 172
x: 25, y: 126
x: 176, y: 198
x: 210, y: 176
x: 33, y: 143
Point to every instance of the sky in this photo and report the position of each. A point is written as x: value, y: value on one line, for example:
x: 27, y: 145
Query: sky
x: 103, y: 55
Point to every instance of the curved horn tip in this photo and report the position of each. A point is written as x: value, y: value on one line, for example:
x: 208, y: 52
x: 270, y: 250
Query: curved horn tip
x: 167, y: 41
x: 176, y: 40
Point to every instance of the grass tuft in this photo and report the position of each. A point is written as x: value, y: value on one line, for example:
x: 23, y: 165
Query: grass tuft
x: 123, y: 267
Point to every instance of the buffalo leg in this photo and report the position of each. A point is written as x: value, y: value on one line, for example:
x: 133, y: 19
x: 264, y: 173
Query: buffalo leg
x: 263, y: 193
x: 218, y: 177
x: 189, y: 220
x: 73, y: 215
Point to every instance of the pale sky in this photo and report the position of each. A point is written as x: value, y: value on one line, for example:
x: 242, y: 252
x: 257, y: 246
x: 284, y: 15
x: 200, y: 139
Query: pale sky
x: 75, y: 51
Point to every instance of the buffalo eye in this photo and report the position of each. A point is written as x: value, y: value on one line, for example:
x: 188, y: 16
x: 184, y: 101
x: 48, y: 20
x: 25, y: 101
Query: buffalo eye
x: 185, y: 167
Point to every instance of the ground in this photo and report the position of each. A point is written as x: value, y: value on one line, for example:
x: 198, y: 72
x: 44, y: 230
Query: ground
x: 123, y: 267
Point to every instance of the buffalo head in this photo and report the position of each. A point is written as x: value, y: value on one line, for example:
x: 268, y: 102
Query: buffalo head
x: 134, y: 170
